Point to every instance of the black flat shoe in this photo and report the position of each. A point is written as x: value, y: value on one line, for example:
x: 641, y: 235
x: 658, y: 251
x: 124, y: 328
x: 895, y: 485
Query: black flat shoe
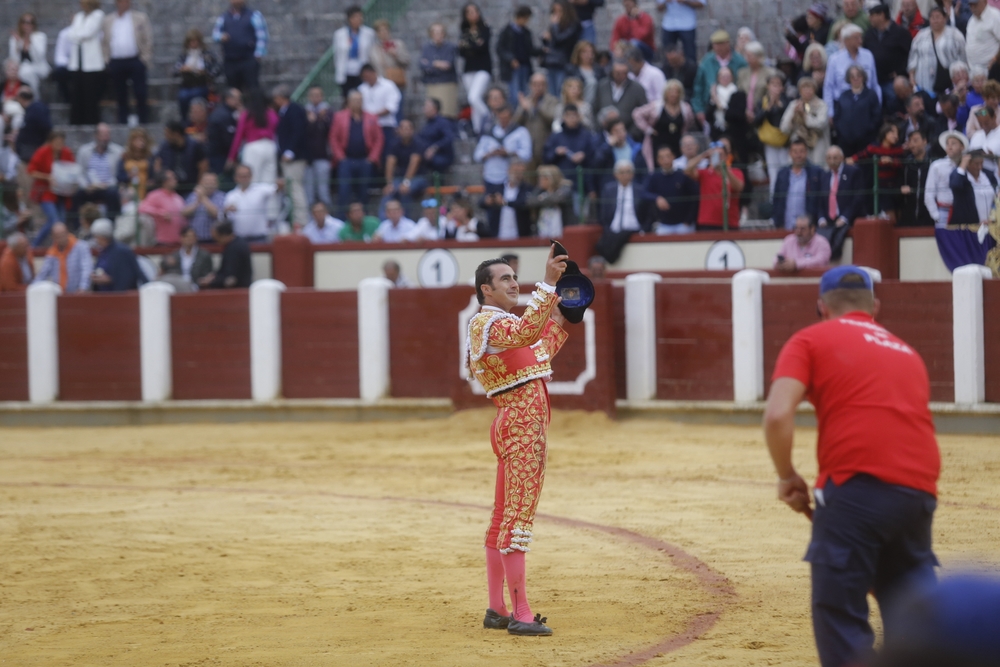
x: 535, y: 628
x: 495, y: 621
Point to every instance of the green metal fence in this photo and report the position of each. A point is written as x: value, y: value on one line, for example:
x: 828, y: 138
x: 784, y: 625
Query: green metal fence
x: 322, y: 73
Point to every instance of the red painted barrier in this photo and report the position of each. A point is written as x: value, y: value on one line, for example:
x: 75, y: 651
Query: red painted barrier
x: 618, y: 335
x: 319, y: 344
x: 292, y: 260
x: 921, y: 314
x: 787, y: 308
x: 13, y: 348
x: 210, y: 337
x: 424, y: 340
x: 580, y: 240
x: 991, y: 321
x: 876, y: 245
x: 99, y: 347
x: 694, y: 333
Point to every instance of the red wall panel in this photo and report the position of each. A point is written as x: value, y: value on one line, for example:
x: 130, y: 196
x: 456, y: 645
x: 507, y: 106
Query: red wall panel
x: 210, y: 336
x: 694, y: 340
x: 618, y: 332
x: 921, y: 315
x: 991, y: 320
x: 13, y: 348
x: 787, y: 308
x: 99, y: 347
x: 423, y: 340
x: 319, y: 344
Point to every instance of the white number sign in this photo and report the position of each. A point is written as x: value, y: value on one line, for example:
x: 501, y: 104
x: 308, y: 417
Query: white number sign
x: 725, y: 256
x: 437, y: 268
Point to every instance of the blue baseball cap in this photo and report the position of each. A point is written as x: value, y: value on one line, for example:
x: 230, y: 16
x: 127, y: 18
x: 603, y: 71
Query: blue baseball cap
x: 834, y: 279
x: 429, y: 203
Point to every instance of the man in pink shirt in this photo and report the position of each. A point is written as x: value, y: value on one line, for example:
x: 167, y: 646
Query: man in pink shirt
x: 803, y: 248
x: 165, y: 206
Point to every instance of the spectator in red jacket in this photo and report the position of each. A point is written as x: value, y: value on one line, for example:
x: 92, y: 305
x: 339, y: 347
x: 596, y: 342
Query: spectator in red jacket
x: 40, y: 169
x: 356, y: 143
x: 634, y: 27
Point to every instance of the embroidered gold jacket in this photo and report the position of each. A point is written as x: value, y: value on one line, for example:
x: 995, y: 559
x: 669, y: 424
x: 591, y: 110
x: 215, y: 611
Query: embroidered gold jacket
x: 506, y: 351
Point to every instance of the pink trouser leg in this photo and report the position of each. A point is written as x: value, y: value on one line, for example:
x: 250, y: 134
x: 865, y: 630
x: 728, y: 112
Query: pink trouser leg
x: 494, y: 578
x: 513, y: 565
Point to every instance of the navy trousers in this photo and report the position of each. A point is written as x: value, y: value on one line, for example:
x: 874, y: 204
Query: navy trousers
x: 867, y: 536
x: 121, y: 71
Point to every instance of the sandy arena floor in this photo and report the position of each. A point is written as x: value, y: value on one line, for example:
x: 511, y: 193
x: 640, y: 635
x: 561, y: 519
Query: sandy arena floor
x: 360, y: 544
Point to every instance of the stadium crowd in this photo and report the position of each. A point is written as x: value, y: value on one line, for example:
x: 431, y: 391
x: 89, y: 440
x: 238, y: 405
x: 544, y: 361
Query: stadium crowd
x: 867, y: 110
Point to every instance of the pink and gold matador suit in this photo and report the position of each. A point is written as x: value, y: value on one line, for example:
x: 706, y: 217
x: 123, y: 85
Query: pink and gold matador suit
x: 510, y: 356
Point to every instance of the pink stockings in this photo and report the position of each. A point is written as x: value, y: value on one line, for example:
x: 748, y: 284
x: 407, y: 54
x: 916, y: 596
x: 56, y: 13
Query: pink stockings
x: 510, y: 567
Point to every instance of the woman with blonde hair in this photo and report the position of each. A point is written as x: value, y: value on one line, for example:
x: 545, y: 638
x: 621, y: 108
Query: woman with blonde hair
x: 197, y: 68
x: 814, y: 65
x: 572, y: 93
x: 553, y: 202
x: 664, y: 122
x: 28, y: 47
x: 583, y: 65
x: 437, y: 63
x: 390, y: 58
x: 133, y: 169
x: 86, y: 64
x: 807, y: 119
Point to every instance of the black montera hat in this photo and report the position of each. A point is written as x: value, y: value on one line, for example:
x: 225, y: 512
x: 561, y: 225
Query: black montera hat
x: 576, y: 290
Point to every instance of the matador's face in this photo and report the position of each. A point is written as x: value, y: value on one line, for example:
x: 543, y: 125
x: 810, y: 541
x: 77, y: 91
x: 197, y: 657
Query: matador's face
x: 503, y: 288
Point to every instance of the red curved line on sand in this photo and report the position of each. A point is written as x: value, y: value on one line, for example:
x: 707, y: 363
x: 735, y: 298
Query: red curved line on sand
x: 720, y: 589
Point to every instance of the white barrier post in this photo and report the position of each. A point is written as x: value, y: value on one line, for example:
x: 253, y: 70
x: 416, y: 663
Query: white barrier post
x: 265, y: 339
x: 373, y: 338
x: 43, y: 341
x: 156, y: 360
x: 968, y: 334
x: 748, y: 335
x: 640, y: 336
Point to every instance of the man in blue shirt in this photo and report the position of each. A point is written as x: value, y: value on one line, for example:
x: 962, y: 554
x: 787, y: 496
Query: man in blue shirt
x: 438, y: 136
x: 404, y: 179
x: 116, y: 268
x: 797, y: 189
x: 571, y: 148
x: 243, y: 34
x: 672, y: 196
x: 678, y: 25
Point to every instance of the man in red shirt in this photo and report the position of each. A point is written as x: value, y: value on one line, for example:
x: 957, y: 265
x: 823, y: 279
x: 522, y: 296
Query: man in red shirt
x: 719, y: 187
x: 633, y: 27
x: 878, y: 462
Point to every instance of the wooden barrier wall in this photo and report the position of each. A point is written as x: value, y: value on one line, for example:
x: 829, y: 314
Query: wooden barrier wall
x: 99, y: 347
x: 991, y: 317
x: 319, y: 344
x: 424, y: 339
x: 694, y: 332
x: 618, y: 336
x: 13, y: 348
x: 919, y: 313
x: 210, y: 337
x: 787, y: 308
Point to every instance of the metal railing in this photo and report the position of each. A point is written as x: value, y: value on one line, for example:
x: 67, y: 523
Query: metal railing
x: 323, y: 73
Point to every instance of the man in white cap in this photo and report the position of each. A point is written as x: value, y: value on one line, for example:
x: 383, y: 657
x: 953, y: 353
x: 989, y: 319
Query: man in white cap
x: 721, y: 55
x: 938, y: 196
x: 838, y: 64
